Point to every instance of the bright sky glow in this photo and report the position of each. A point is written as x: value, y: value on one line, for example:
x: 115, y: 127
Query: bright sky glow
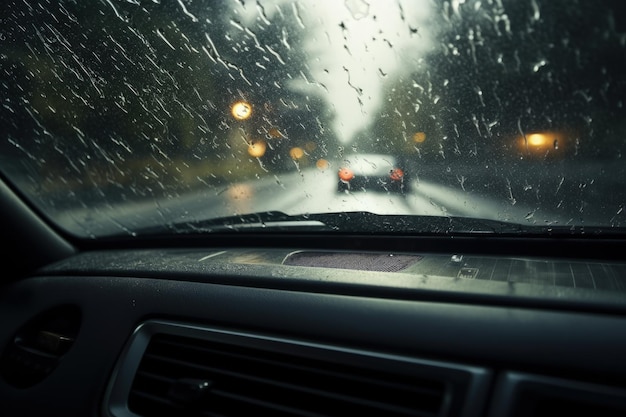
x: 375, y: 44
x: 353, y: 47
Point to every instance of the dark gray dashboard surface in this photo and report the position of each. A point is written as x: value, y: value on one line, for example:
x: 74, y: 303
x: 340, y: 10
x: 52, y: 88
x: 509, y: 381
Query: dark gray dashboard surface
x: 555, y: 272
x: 565, y: 283
x: 435, y: 317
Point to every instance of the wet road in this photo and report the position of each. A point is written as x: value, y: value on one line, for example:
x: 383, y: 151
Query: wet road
x: 534, y: 197
x: 530, y: 195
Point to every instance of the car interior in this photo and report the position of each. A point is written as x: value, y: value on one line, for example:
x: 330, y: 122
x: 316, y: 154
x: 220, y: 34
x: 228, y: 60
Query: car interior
x: 275, y: 314
x: 295, y: 324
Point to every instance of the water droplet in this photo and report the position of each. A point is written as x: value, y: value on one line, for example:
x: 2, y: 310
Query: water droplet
x: 539, y: 64
x: 358, y: 8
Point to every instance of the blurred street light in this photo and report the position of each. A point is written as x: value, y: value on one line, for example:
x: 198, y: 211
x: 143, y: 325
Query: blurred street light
x: 241, y: 110
x: 296, y: 153
x: 419, y: 137
x: 257, y: 148
x: 540, y: 142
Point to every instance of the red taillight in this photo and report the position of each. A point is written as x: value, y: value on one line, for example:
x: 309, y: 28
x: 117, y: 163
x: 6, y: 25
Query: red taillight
x: 396, y: 174
x: 345, y: 174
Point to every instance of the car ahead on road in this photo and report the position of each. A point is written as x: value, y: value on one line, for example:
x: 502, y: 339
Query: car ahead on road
x: 372, y: 172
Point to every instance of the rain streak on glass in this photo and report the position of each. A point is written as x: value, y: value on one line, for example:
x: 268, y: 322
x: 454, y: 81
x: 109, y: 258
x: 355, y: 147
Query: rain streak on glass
x: 124, y: 116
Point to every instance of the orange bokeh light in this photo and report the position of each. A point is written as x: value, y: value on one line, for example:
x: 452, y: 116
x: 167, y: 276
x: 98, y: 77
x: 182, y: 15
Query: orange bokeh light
x: 346, y: 174
x: 275, y: 133
x: 296, y: 153
x: 419, y: 137
x: 541, y: 142
x: 322, y: 164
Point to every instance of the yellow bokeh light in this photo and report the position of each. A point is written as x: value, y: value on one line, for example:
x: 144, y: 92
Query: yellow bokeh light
x: 241, y: 110
x: 322, y: 164
x: 419, y: 137
x: 239, y: 192
x: 257, y: 148
x: 542, y: 142
x: 240, y: 198
x: 296, y: 153
x: 537, y: 139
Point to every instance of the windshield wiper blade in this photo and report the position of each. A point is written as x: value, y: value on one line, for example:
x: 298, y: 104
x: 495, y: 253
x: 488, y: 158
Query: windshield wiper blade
x: 251, y: 222
x: 357, y: 222
x: 369, y: 223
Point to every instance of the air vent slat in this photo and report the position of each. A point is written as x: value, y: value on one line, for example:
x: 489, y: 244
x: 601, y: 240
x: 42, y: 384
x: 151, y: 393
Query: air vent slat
x: 298, y: 396
x: 154, y: 376
x: 267, y: 406
x: 152, y: 398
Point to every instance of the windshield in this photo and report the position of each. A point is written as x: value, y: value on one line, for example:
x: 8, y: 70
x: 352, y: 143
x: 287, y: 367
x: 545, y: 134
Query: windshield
x: 123, y: 117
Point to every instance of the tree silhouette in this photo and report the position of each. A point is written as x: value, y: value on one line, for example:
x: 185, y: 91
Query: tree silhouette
x: 503, y: 70
x: 137, y: 95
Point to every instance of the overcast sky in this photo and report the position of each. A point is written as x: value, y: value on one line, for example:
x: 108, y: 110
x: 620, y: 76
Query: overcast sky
x: 353, y: 47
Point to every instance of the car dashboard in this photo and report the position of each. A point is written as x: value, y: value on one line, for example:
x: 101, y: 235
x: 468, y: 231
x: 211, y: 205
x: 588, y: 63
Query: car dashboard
x: 313, y: 209
x: 225, y: 330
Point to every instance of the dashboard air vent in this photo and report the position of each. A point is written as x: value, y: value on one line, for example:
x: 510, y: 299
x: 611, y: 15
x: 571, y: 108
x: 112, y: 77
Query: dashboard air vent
x: 39, y: 345
x: 243, y: 381
x: 236, y: 375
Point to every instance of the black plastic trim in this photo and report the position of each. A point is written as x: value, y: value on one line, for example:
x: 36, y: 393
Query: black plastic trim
x: 33, y: 242
x: 525, y: 395
x: 591, y: 247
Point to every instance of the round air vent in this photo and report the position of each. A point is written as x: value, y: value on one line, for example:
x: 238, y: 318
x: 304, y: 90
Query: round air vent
x: 38, y: 345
